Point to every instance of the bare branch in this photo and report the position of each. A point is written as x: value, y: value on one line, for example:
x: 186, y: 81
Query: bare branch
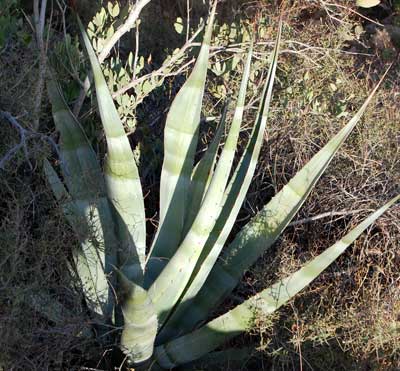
x: 82, y: 94
x: 36, y: 19
x: 328, y: 214
x: 22, y: 143
x: 42, y: 16
x: 122, y: 30
x: 39, y: 20
x: 164, y: 69
x: 25, y: 135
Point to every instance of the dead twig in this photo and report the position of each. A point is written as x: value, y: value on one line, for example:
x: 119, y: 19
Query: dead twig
x: 328, y: 214
x: 25, y: 135
x: 39, y: 20
x: 326, y: 4
x: 122, y: 30
x: 164, y: 69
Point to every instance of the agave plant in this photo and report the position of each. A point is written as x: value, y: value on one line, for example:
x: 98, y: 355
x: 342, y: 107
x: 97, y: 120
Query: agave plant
x: 159, y: 299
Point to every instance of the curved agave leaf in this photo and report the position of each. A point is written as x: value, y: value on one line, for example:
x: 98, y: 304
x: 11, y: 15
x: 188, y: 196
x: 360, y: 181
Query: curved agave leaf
x: 171, y: 282
x: 200, y: 342
x: 81, y: 168
x: 85, y: 206
x: 89, y: 262
x: 64, y: 198
x: 202, y: 175
x: 121, y: 174
x: 180, y: 142
x: 263, y: 230
x: 124, y: 189
x: 233, y: 199
x: 140, y: 322
x: 90, y: 271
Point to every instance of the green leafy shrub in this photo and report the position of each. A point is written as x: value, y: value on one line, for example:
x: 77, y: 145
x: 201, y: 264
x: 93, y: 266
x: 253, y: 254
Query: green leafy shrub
x: 11, y: 23
x: 161, y: 298
x: 119, y: 70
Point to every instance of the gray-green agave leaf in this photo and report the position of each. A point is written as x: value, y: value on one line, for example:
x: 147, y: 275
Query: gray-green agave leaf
x: 161, y: 302
x: 210, y: 336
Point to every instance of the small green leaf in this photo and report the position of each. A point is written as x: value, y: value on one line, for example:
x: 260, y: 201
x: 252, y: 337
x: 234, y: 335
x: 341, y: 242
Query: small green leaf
x: 219, y: 68
x: 115, y: 10
x: 139, y: 65
x: 368, y: 3
x: 110, y: 32
x: 147, y: 87
x: 178, y: 25
x: 103, y: 16
x: 130, y: 60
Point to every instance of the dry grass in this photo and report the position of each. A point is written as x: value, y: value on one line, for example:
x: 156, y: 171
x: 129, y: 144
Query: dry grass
x: 35, y: 240
x: 347, y: 319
